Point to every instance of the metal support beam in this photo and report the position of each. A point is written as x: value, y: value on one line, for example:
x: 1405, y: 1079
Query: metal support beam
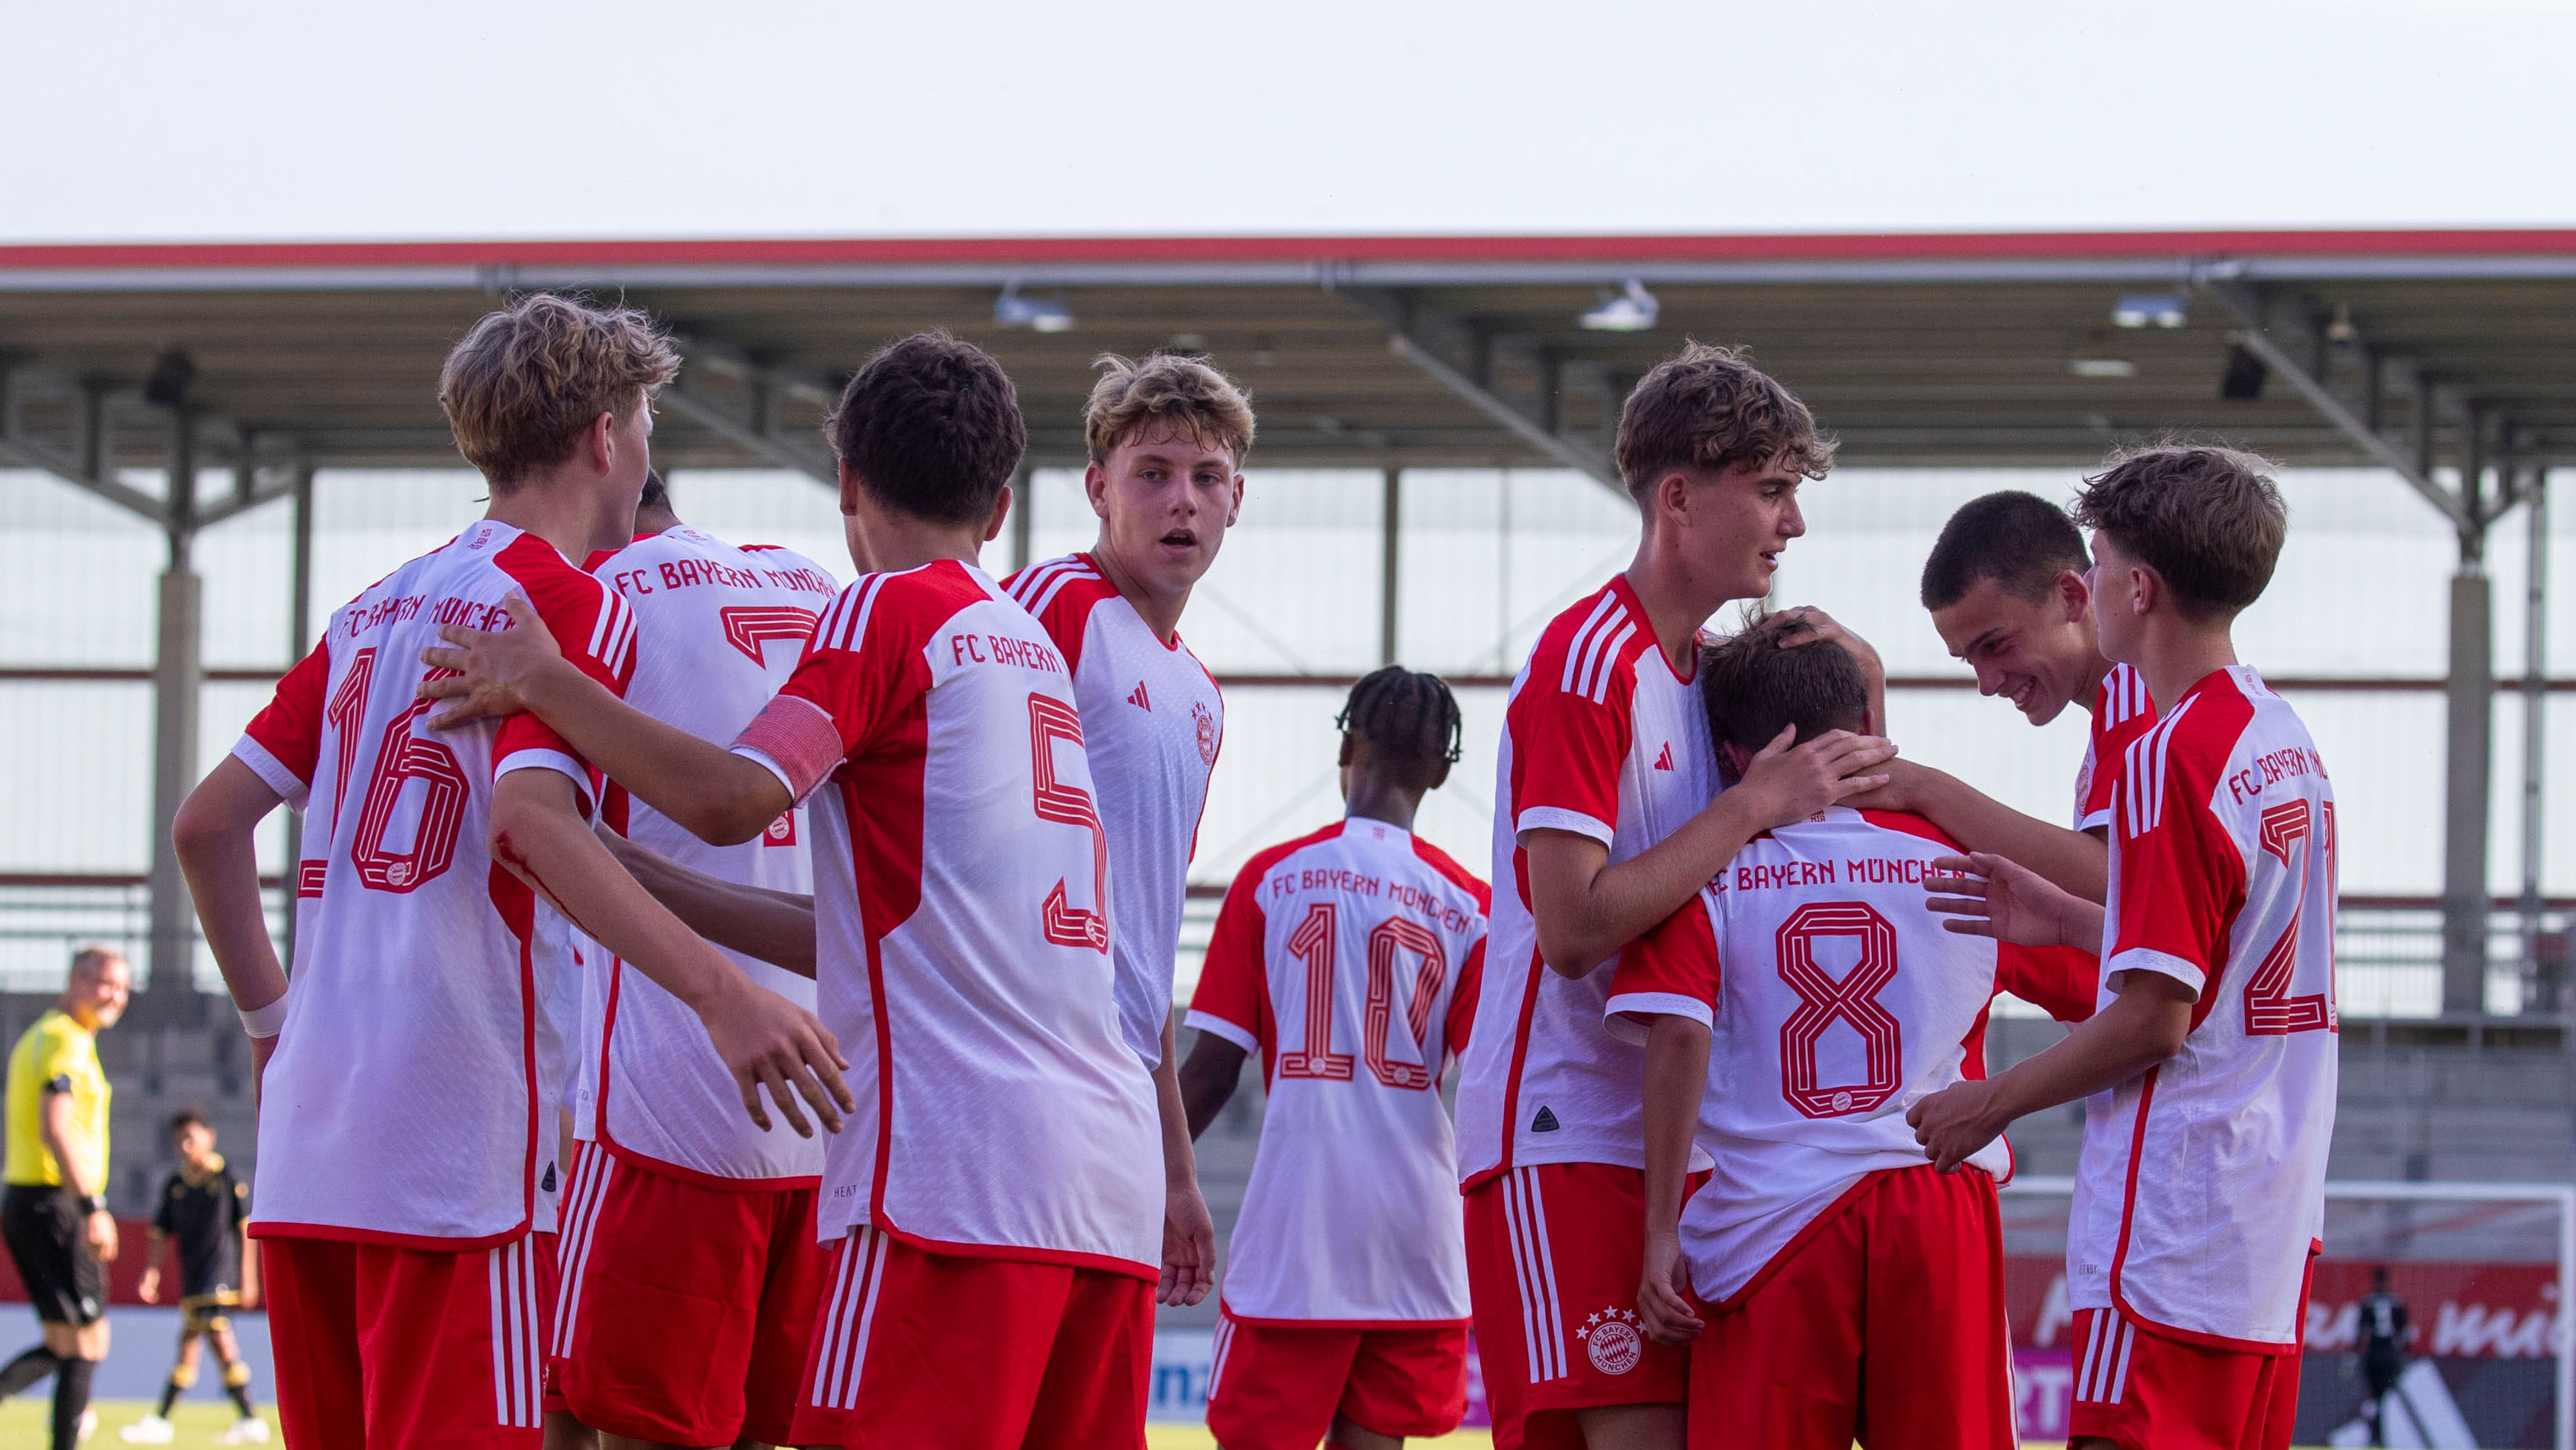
x: 2415, y: 468
x: 1403, y: 324
x: 2470, y: 693
x: 177, y: 674
x: 754, y: 426
x: 2545, y: 992
x: 1024, y: 497
x: 86, y: 465
x: 1390, y: 554
x: 299, y: 641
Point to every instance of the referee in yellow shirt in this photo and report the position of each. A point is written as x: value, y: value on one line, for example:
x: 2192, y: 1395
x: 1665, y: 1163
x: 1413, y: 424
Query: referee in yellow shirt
x: 53, y: 1211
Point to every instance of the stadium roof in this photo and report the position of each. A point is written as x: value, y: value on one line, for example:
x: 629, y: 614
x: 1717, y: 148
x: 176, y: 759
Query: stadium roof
x: 1913, y: 349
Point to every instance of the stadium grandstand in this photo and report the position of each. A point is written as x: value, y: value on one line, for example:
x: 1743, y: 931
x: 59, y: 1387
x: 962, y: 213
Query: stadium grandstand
x: 204, y: 448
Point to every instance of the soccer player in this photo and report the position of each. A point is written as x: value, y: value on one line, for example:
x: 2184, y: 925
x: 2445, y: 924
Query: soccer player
x: 408, y: 1080
x: 53, y: 1213
x: 1348, y: 959
x: 1167, y: 438
x: 1836, y: 1286
x: 2209, y: 1068
x: 203, y: 1211
x: 2005, y: 587
x: 691, y: 1272
x: 995, y: 1208
x: 1604, y: 825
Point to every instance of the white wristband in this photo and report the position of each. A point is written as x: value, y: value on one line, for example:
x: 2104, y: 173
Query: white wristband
x: 263, y: 1022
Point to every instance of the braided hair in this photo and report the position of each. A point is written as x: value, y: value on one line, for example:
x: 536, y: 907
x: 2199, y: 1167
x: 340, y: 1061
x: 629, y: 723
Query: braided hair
x: 1410, y: 717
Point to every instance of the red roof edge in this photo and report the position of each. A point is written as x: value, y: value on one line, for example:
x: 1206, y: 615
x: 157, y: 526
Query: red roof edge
x: 1036, y: 251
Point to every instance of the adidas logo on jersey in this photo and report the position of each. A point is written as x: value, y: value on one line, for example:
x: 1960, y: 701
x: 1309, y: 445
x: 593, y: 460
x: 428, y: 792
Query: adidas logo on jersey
x: 1136, y: 697
x: 1545, y: 1122
x: 1665, y: 760
x: 549, y: 1185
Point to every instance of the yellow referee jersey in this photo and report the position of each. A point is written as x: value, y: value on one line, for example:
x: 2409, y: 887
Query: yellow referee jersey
x: 57, y: 1055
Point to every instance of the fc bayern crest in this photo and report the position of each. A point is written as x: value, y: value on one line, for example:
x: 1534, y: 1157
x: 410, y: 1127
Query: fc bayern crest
x: 1205, y: 718
x: 1610, y: 1340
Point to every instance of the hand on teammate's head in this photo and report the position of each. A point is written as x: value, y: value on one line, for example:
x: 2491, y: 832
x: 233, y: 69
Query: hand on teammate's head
x: 1796, y: 781
x: 479, y: 671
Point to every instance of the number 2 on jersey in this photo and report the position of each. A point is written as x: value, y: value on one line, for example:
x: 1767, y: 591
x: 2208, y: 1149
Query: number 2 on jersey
x: 1823, y: 1001
x: 1316, y: 943
x: 2270, y: 1010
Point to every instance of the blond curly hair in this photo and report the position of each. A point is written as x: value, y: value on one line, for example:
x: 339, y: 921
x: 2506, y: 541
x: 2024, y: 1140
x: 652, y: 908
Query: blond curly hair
x: 1170, y: 389
x: 521, y: 387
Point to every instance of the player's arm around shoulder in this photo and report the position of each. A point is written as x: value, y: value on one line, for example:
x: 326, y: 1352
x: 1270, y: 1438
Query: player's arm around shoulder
x: 1586, y: 908
x: 2076, y: 862
x: 716, y: 795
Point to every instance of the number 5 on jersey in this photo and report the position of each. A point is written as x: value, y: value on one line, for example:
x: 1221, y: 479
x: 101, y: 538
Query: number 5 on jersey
x: 1066, y: 925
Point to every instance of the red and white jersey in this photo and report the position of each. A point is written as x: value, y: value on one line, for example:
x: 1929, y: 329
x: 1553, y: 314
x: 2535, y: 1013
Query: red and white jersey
x: 2201, y: 1187
x: 965, y: 966
x: 718, y: 631
x: 1835, y: 1001
x: 1151, y: 722
x: 2122, y: 711
x: 412, y: 1099
x: 1349, y: 960
x: 1603, y: 739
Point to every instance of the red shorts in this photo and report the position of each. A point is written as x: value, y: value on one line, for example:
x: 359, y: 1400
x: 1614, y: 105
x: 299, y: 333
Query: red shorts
x: 1884, y: 1322
x: 1279, y: 1388
x: 921, y: 1351
x: 2143, y: 1390
x: 1553, y: 1256
x: 382, y: 1348
x: 686, y: 1309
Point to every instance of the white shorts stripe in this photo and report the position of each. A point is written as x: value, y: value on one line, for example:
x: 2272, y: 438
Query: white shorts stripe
x: 1216, y: 1369
x: 600, y: 1167
x: 835, y: 1318
x: 1521, y: 1275
x: 1552, y: 1339
x: 2092, y: 1358
x: 870, y: 1246
x: 511, y: 1279
x: 2120, y: 1375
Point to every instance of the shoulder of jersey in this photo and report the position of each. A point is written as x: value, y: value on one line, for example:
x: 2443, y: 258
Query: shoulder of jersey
x: 1908, y: 823
x: 921, y: 597
x: 1455, y: 874
x: 552, y: 583
x: 2187, y: 749
x: 1061, y: 593
x: 1591, y: 648
x: 1269, y: 856
x: 2123, y: 698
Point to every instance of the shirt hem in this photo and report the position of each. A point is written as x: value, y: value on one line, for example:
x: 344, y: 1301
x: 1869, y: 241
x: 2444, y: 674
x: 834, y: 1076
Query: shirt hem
x: 271, y: 771
x: 2200, y: 1337
x: 432, y: 1243
x: 698, y: 1177
x: 1018, y: 1253
x: 1257, y: 1321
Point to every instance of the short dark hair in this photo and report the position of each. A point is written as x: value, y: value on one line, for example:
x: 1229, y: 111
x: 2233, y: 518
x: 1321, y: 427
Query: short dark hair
x: 186, y: 1118
x: 1709, y: 407
x: 932, y: 428
x: 1753, y: 688
x: 2019, y: 540
x: 656, y: 494
x: 1409, y: 718
x: 2210, y: 520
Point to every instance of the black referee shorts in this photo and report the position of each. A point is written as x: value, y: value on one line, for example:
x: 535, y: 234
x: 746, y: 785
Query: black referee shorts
x: 48, y: 1241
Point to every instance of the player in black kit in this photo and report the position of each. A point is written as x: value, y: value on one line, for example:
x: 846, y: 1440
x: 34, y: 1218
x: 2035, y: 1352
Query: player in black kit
x: 203, y: 1208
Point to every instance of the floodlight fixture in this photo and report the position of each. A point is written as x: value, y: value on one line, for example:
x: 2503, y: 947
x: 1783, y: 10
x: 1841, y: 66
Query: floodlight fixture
x: 2102, y: 367
x: 1036, y: 314
x: 2246, y: 373
x: 1630, y: 309
x: 167, y: 385
x: 2341, y: 329
x: 2150, y: 309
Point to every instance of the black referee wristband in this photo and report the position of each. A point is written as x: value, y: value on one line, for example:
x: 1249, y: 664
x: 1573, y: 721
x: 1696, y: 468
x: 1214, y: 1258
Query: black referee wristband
x: 94, y: 1203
